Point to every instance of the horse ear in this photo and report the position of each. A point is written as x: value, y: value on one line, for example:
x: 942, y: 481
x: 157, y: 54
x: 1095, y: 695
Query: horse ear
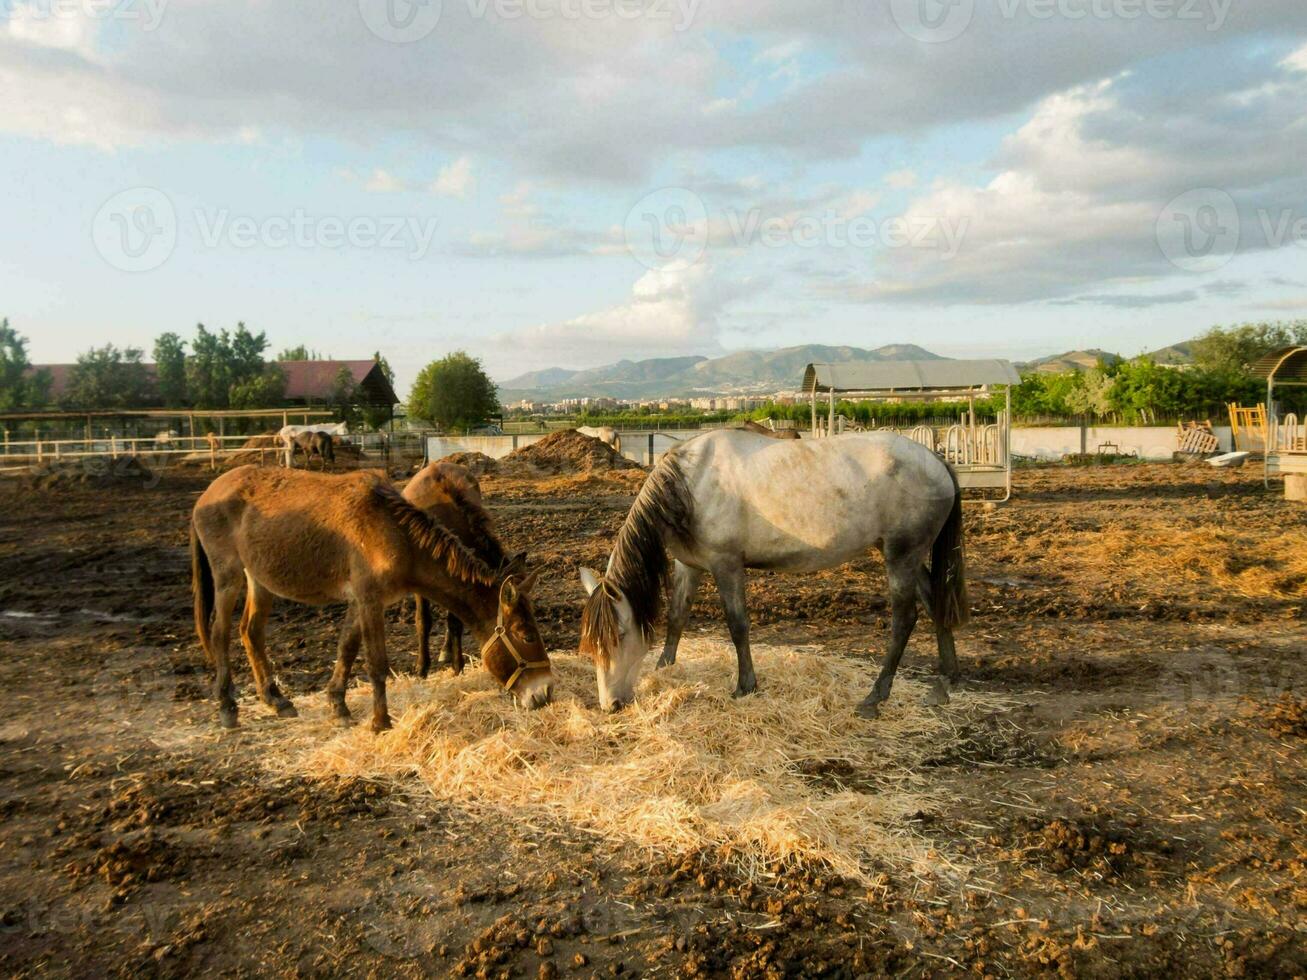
x: 516, y: 565
x: 527, y: 584
x: 591, y: 580
x: 508, y: 593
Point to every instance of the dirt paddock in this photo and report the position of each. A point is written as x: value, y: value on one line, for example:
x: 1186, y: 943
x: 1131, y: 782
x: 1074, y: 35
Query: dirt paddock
x: 1132, y: 802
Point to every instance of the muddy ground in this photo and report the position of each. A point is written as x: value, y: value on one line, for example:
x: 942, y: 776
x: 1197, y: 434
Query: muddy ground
x: 1139, y: 810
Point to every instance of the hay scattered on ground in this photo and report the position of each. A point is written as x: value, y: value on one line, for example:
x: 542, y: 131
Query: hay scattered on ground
x: 1213, y: 557
x: 789, y: 776
x: 563, y: 452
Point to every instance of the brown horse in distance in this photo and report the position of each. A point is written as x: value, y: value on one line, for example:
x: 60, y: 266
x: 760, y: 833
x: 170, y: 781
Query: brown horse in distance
x: 313, y: 443
x: 762, y: 430
x: 316, y: 539
x: 451, y: 494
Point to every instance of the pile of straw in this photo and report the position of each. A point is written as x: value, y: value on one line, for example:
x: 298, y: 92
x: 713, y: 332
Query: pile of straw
x: 790, y: 775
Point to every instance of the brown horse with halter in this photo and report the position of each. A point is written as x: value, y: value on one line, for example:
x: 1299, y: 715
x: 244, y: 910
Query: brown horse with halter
x: 450, y: 493
x: 318, y: 539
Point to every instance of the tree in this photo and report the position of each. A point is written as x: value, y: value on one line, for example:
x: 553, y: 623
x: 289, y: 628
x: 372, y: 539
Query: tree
x: 264, y: 390
x: 1094, y: 395
x: 300, y: 353
x: 106, y: 377
x: 170, y: 369
x: 375, y: 416
x: 453, y: 393
x: 344, y: 396
x: 20, y: 387
x: 1232, y: 350
x: 221, y: 363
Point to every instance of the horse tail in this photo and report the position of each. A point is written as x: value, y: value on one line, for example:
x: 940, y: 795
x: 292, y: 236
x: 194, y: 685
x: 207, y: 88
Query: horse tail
x: 201, y: 592
x: 948, y: 570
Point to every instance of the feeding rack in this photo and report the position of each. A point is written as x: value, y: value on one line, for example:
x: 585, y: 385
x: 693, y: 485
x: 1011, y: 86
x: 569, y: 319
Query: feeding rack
x: 980, y: 453
x: 1286, y: 438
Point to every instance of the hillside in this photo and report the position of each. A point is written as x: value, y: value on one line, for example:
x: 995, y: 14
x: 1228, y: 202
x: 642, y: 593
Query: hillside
x: 742, y: 371
x: 1075, y: 360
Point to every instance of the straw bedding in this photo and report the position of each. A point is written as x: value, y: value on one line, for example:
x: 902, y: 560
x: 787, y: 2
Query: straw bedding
x: 789, y: 776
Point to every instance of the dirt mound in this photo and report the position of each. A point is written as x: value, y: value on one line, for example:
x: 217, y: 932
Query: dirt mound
x: 479, y: 463
x: 564, y: 452
x: 93, y: 472
x: 269, y: 440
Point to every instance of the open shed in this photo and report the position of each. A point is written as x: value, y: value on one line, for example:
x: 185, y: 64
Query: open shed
x: 1286, y: 441
x: 979, y: 451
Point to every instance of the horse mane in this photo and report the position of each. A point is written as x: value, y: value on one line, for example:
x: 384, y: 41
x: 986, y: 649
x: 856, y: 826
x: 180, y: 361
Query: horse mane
x: 466, y: 494
x: 638, y: 565
x: 435, y: 539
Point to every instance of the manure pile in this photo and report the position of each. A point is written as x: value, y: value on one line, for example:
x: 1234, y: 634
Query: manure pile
x: 561, y: 453
x: 93, y: 471
x: 789, y: 777
x: 479, y: 464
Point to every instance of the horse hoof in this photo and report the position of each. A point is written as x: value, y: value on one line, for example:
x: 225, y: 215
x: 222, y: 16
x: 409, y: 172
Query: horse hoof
x: 869, y: 710
x: 665, y: 661
x: 938, y: 695
x: 286, y: 710
x: 379, y: 726
x: 227, y: 719
x: 744, y: 692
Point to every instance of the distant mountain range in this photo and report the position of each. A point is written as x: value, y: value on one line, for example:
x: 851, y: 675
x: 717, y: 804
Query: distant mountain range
x: 752, y: 372
x: 756, y: 372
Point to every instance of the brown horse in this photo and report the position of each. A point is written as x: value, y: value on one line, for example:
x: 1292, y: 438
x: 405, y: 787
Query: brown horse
x: 762, y: 430
x: 450, y: 494
x: 313, y: 443
x: 318, y: 539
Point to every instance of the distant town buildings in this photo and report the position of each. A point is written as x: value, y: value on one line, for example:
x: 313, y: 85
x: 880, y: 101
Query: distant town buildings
x: 702, y: 403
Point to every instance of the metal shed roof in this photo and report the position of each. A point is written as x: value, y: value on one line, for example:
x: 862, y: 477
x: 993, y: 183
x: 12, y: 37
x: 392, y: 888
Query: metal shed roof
x: 1288, y: 365
x: 908, y: 375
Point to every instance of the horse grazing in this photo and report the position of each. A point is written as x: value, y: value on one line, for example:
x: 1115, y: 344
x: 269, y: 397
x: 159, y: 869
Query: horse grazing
x: 316, y: 539
x: 451, y: 495
x: 732, y: 500
x: 762, y: 430
x: 288, y: 437
x: 321, y: 444
x: 605, y: 434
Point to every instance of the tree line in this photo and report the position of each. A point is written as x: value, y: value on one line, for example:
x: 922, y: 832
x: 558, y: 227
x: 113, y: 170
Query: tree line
x: 214, y: 370
x: 1136, y: 391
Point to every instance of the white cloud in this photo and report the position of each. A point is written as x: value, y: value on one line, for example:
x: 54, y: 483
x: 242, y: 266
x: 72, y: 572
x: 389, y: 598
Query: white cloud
x: 1082, y: 185
x: 901, y: 179
x: 454, y: 180
x: 673, y: 309
x: 1296, y: 61
x: 39, y: 25
x: 383, y: 182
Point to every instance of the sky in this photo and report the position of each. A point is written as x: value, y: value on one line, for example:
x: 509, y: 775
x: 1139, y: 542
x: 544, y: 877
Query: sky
x: 572, y: 182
